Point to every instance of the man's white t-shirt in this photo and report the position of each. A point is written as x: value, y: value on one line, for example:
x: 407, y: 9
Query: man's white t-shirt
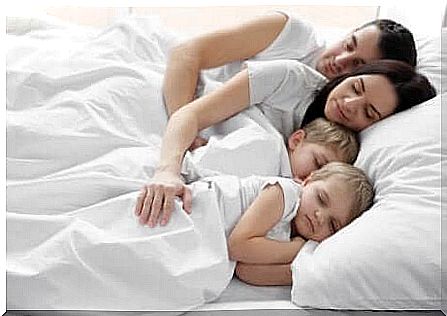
x: 282, y: 78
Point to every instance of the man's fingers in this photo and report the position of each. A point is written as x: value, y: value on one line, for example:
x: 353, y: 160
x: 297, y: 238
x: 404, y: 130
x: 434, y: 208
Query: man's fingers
x: 168, y: 206
x: 140, y: 201
x: 147, y: 203
x: 187, y: 199
x: 156, y: 208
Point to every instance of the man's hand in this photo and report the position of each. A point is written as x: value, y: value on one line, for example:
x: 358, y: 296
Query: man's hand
x: 156, y: 200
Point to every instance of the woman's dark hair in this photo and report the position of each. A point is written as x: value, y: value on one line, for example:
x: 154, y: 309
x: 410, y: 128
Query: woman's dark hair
x: 395, y: 41
x: 411, y: 87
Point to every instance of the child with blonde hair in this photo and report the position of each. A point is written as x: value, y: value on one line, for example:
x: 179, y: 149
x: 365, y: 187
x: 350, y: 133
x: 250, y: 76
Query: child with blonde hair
x: 268, y: 219
x: 285, y: 214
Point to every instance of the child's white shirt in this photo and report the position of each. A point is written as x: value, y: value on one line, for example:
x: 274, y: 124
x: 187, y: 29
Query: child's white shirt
x: 235, y: 195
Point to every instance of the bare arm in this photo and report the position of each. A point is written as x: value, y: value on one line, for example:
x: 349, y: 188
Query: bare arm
x: 213, y: 50
x: 155, y: 202
x: 247, y: 242
x: 264, y: 274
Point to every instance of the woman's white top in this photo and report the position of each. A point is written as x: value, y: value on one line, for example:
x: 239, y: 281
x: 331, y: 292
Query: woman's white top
x: 283, y: 90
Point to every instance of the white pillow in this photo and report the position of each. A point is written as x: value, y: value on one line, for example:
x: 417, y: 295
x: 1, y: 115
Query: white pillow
x: 431, y: 59
x: 388, y: 258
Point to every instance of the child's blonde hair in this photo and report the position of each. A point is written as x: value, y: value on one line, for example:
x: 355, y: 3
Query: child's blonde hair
x: 323, y: 132
x: 355, y: 178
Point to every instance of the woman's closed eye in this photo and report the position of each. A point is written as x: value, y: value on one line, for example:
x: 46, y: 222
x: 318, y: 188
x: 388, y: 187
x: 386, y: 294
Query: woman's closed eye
x: 370, y: 114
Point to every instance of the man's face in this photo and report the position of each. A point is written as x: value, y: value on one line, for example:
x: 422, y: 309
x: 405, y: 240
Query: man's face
x: 358, y: 47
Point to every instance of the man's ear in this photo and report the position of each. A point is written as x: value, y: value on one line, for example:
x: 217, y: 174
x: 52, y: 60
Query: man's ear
x: 296, y: 138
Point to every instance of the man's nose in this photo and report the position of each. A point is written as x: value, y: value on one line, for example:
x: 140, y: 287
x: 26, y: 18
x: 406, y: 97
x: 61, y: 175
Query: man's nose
x: 344, y: 61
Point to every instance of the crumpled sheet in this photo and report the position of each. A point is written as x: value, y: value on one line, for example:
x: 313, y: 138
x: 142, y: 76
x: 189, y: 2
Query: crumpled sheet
x: 84, y: 123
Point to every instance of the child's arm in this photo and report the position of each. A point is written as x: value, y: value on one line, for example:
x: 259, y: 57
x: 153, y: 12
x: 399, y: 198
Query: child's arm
x: 247, y: 242
x: 264, y: 274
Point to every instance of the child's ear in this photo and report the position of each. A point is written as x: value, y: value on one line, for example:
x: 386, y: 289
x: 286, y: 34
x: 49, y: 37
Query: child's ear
x: 296, y: 138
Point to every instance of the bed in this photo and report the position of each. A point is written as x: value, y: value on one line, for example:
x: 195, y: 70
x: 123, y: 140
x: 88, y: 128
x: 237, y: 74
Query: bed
x: 81, y: 140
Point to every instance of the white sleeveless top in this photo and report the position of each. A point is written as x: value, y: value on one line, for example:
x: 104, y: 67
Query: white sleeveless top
x: 235, y: 195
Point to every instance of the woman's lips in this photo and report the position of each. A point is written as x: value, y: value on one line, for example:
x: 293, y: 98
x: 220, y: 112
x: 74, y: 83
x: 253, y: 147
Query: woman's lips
x: 340, y: 111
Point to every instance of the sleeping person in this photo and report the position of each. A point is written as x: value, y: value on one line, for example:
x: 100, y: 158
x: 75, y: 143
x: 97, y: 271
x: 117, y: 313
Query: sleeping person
x: 268, y: 219
x: 266, y: 212
x: 285, y: 214
x: 282, y: 92
x: 276, y: 36
x: 308, y: 148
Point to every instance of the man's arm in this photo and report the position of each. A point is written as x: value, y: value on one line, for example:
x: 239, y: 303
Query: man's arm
x: 156, y: 200
x: 264, y: 274
x: 213, y: 50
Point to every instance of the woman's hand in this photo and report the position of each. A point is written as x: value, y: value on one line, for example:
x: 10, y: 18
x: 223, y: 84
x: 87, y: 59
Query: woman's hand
x: 156, y: 200
x: 198, y: 142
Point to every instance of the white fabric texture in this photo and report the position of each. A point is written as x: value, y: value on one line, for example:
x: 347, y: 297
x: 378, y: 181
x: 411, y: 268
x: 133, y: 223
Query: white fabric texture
x: 298, y: 40
x: 388, y: 258
x: 244, y: 145
x: 235, y: 195
x: 84, y: 119
x: 283, y: 90
x: 431, y: 56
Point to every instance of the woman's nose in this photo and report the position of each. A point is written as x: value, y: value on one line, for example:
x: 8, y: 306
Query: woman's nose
x: 353, y: 103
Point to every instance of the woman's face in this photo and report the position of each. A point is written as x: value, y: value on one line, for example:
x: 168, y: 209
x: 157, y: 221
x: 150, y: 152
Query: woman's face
x: 357, y: 102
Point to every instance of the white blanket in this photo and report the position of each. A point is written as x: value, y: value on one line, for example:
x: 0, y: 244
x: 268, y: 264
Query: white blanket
x: 84, y: 119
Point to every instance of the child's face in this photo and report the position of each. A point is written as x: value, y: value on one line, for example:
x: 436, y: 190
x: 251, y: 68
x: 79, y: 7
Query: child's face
x: 306, y: 157
x: 325, y: 207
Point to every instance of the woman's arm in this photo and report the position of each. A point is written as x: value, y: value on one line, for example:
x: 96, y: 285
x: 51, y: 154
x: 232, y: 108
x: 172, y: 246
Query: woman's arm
x: 155, y: 202
x: 264, y: 274
x: 213, y: 50
x: 247, y: 242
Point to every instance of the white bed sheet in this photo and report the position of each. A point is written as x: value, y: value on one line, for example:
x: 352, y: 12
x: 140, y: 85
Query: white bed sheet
x: 118, y: 149
x: 84, y: 119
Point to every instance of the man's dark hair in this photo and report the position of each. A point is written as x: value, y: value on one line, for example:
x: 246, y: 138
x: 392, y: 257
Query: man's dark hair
x: 395, y: 41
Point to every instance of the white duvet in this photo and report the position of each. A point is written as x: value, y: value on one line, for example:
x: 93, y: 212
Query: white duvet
x: 84, y: 119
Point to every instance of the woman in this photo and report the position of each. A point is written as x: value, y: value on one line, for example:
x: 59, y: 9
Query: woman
x: 275, y: 36
x: 356, y: 100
